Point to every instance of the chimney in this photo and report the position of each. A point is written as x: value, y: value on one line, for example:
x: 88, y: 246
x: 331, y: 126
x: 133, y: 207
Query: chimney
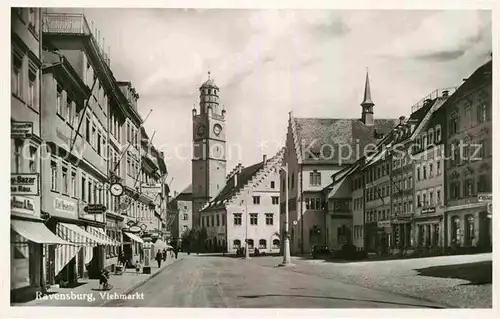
x: 264, y: 158
x: 401, y: 119
x: 445, y: 93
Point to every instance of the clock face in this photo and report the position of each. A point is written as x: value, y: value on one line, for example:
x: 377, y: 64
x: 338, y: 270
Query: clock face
x: 217, y: 129
x: 201, y: 130
x: 116, y: 189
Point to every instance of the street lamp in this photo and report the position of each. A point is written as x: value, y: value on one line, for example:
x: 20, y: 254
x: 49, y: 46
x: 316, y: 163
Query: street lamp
x: 287, y: 260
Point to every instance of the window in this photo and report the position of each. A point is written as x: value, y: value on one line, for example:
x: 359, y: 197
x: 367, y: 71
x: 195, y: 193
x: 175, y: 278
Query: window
x: 250, y: 243
x: 425, y: 172
x: 482, y: 113
x: 218, y: 220
x: 32, y: 159
x: 213, y: 220
x: 431, y: 198
x: 469, y: 230
x: 438, y: 197
x: 418, y: 173
x: 469, y: 187
x: 483, y: 184
x: 275, y: 200
x: 455, y: 190
x: 236, y: 244
x: 253, y: 219
x: 256, y: 200
x: 262, y: 244
x: 431, y: 171
x: 65, y: 180
x: 269, y: 219
x: 468, y: 117
x: 272, y: 184
x: 419, y: 203
x: 53, y: 175
x: 31, y: 87
x: 59, y: 101
x: 185, y: 217
x: 18, y: 150
x: 276, y: 243
x: 438, y: 168
x: 237, y: 219
x: 16, y: 76
x: 438, y: 134
x: 84, y: 189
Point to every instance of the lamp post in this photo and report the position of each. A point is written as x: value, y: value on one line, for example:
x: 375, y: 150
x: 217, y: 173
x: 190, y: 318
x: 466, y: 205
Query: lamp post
x: 287, y: 260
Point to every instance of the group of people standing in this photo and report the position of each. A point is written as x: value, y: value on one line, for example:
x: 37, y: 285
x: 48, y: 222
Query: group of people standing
x: 162, y: 255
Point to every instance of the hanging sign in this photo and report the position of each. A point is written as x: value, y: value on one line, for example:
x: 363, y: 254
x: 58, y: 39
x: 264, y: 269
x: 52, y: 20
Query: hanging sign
x: 21, y: 130
x: 24, y: 184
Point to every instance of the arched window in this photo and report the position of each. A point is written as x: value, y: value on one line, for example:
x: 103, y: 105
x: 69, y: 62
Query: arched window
x: 469, y: 230
x: 236, y: 243
x: 262, y: 244
x: 250, y: 244
x: 276, y: 243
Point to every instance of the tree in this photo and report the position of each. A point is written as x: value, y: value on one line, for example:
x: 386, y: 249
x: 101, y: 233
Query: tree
x: 202, y: 239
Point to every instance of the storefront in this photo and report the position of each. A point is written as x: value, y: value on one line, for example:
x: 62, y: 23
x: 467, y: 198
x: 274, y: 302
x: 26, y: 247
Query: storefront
x: 114, y: 224
x: 429, y: 227
x: 402, y: 235
x: 384, y: 231
x: 469, y: 226
x: 132, y: 245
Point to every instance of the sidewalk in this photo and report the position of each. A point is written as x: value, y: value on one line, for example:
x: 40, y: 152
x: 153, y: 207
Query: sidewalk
x: 89, y: 295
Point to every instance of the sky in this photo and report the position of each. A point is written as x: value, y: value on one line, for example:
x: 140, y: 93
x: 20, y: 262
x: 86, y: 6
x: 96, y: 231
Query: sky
x: 270, y: 62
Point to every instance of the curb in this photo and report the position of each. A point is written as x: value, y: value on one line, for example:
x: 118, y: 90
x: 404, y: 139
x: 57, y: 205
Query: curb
x: 140, y: 283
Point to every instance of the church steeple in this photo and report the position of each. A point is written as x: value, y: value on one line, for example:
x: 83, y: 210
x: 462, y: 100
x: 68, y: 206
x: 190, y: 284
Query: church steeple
x: 367, y: 104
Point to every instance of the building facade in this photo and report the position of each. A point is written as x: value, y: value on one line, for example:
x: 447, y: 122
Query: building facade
x: 246, y: 209
x: 315, y: 150
x: 182, y: 208
x: 468, y: 176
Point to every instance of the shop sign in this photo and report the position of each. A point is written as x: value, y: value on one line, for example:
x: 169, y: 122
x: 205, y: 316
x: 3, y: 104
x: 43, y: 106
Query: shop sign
x: 94, y: 209
x: 22, y: 205
x: 65, y: 206
x: 21, y: 130
x: 384, y: 223
x: 484, y: 197
x: 24, y: 184
x: 429, y: 210
x: 134, y: 229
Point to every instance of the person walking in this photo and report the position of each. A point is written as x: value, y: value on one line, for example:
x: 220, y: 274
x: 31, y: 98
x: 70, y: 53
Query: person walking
x: 176, y: 252
x: 164, y: 253
x: 158, y: 258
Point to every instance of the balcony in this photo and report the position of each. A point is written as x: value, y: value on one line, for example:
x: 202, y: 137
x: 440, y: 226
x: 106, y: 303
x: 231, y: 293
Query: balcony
x: 444, y: 92
x: 74, y: 24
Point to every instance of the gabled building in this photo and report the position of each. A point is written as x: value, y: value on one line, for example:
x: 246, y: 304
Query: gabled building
x: 247, y: 208
x: 315, y: 150
x: 181, y: 208
x: 468, y: 170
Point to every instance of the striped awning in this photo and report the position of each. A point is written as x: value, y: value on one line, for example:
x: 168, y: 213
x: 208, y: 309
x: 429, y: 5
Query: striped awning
x: 37, y: 232
x: 134, y: 237
x: 83, y: 238
x: 99, y: 232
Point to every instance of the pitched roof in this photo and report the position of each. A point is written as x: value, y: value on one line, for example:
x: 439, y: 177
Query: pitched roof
x: 318, y: 138
x: 229, y: 190
x: 481, y: 76
x: 188, y: 190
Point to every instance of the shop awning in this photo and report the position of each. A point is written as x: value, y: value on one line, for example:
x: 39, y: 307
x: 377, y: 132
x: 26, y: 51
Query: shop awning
x: 37, y: 232
x: 99, y: 232
x: 134, y: 237
x: 160, y: 244
x: 89, y: 239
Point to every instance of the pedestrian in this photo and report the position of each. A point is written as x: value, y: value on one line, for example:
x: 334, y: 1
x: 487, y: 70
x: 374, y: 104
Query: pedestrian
x: 137, y: 267
x: 159, y: 258
x: 176, y: 252
x: 164, y: 254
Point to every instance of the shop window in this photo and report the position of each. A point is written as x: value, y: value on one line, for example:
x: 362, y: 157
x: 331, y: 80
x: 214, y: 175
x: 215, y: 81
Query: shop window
x: 469, y: 230
x: 455, y: 230
x: 250, y: 244
x: 276, y: 243
x: 262, y: 244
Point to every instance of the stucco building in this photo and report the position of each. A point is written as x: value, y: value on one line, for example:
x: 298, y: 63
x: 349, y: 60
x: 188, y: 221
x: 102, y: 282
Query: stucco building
x: 315, y: 150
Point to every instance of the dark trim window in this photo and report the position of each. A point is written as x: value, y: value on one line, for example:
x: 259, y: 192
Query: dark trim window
x: 272, y: 184
x: 53, y: 175
x: 262, y: 244
x: 269, y: 219
x: 275, y: 200
x: 256, y: 200
x: 253, y: 219
x: 237, y: 219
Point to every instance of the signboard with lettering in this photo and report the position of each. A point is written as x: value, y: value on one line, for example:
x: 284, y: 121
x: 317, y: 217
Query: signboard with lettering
x: 25, y: 184
x: 429, y: 210
x: 94, y: 209
x: 21, y: 130
x: 65, y: 206
x: 484, y: 197
x: 22, y: 205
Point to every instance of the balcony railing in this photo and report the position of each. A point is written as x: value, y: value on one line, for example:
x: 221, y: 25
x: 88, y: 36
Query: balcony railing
x: 434, y: 94
x: 73, y: 24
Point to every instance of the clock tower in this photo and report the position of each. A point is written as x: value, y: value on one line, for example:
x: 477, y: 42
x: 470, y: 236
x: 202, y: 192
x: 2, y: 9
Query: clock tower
x: 209, y: 148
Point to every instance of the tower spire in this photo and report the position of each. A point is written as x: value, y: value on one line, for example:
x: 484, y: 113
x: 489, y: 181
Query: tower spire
x: 367, y: 99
